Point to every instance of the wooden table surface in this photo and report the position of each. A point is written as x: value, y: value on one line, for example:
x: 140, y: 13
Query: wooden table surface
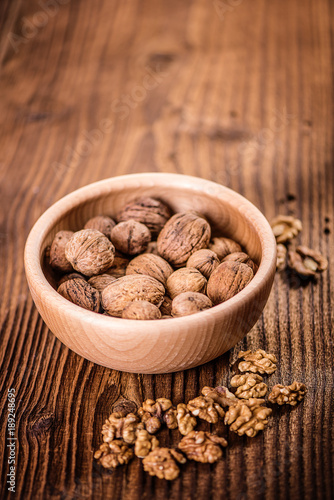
x: 236, y: 91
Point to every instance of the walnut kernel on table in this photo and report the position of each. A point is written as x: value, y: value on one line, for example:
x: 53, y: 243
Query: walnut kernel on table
x: 101, y: 223
x: 288, y: 394
x: 223, y: 246
x: 285, y: 228
x: 249, y: 385
x: 113, y: 454
x: 202, y: 446
x: 58, y: 260
x: 144, y: 443
x: 187, y: 303
x: 220, y: 395
x: 185, y: 279
x: 117, y: 295
x: 185, y: 421
x: 119, y: 426
x: 90, y: 252
x: 150, y: 265
x: 149, y: 211
x: 81, y: 293
x: 257, y: 362
x: 307, y: 262
x: 227, y: 280
x: 247, y: 417
x: 141, y: 310
x: 161, y: 462
x: 155, y: 413
x: 205, y: 261
x: 130, y: 237
x: 281, y: 257
x: 206, y: 408
x: 182, y: 235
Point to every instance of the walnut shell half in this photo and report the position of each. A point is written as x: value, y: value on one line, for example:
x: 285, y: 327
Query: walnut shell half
x: 117, y: 295
x: 181, y: 236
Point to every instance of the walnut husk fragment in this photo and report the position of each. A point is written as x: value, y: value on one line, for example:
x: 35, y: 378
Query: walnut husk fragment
x: 249, y: 385
x: 141, y: 310
x: 202, y: 446
x: 257, y: 362
x: 287, y: 394
x: 223, y: 246
x: 183, y: 235
x: 101, y: 223
x: 227, y: 280
x: 151, y: 265
x: 117, y: 295
x: 58, y: 260
x: 187, y: 303
x: 161, y: 462
x: 90, y: 252
x: 149, y: 211
x: 130, y: 237
x: 81, y: 293
x: 186, y: 279
x: 205, y: 261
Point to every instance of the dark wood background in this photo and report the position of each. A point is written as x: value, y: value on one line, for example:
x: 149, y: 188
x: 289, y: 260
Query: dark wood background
x: 236, y: 91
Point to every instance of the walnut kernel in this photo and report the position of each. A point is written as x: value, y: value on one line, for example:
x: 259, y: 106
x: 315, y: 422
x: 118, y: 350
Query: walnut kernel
x: 202, y: 446
x: 249, y: 385
x: 288, y: 394
x: 257, y: 362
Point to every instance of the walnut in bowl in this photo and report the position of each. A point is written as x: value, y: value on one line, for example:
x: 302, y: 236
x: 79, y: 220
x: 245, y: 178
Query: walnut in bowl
x: 154, y: 346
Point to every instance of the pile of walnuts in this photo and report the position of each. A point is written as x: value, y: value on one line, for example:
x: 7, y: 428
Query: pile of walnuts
x: 128, y: 432
x: 150, y: 264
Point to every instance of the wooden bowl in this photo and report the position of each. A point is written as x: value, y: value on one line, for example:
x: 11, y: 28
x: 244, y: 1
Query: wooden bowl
x: 165, y: 345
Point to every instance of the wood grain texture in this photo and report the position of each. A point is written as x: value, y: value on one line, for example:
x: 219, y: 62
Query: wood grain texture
x: 241, y: 95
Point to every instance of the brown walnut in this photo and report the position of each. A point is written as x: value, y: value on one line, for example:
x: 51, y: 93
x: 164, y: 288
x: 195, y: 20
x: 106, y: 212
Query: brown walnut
x: 119, y: 265
x: 166, y: 306
x: 141, y: 310
x: 101, y: 223
x: 243, y: 258
x: 154, y: 413
x: 131, y: 237
x: 202, y: 446
x: 151, y: 265
x: 187, y: 303
x: 227, y: 280
x: 307, y: 262
x: 149, y: 211
x: 186, y: 279
x: 58, y: 260
x: 181, y: 236
x: 220, y: 395
x: 223, y: 246
x: 117, y: 295
x: 205, y: 261
x: 71, y: 276
x: 80, y: 293
x: 101, y: 281
x: 90, y: 252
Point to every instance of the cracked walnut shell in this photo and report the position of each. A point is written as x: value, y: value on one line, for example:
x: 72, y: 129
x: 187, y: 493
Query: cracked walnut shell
x: 287, y: 394
x: 227, y: 280
x: 81, y: 293
x: 58, y: 260
x: 249, y: 385
x: 149, y: 211
x: 89, y: 252
x: 187, y: 303
x: 186, y: 279
x: 247, y: 417
x: 206, y: 409
x: 161, y: 462
x: 151, y: 265
x: 205, y: 261
x: 117, y: 295
x: 141, y: 310
x: 112, y: 454
x: 257, y: 362
x: 181, y: 236
x: 130, y: 237
x: 285, y: 228
x: 202, y: 446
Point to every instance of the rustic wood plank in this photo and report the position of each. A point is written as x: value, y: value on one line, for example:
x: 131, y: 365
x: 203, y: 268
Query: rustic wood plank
x: 238, y: 92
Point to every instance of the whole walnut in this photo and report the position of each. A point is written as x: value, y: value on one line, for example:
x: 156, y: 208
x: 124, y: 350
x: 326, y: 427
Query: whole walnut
x: 186, y: 279
x: 101, y: 223
x: 101, y: 281
x: 142, y: 310
x: 241, y: 257
x: 227, y: 280
x: 151, y: 265
x: 80, y: 293
x: 71, y: 276
x: 190, y: 303
x: 223, y: 246
x: 205, y: 261
x: 58, y: 260
x: 90, y: 252
x: 131, y: 237
x: 129, y: 288
x: 181, y: 236
x: 149, y: 211
x: 119, y: 265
